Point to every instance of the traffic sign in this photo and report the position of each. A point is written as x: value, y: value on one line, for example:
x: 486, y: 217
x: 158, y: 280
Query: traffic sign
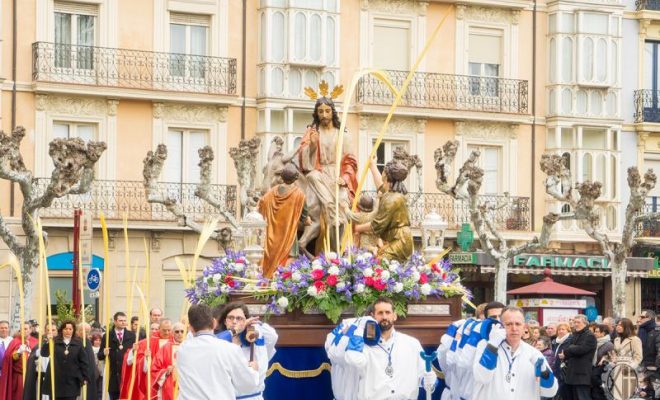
x: 93, y: 279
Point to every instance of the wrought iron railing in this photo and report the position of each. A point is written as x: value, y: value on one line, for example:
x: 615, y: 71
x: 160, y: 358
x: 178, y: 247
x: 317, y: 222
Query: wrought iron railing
x: 515, y: 215
x: 647, y: 5
x: 134, y: 69
x: 118, y: 198
x: 650, y: 228
x: 448, y: 92
x: 647, y: 105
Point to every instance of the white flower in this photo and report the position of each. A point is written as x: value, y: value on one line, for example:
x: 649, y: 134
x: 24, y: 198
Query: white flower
x: 415, y: 276
x: 283, y: 302
x: 385, y: 275
x: 239, y: 267
x: 359, y: 288
x: 331, y: 256
x: 217, y: 277
x: 394, y: 266
x: 341, y: 285
x: 316, y: 264
x: 296, y: 277
x: 398, y: 287
x: 368, y: 272
x: 334, y: 270
x: 367, y: 254
x: 273, y: 285
x: 312, y: 291
x: 425, y: 289
x: 224, y: 288
x: 360, y: 258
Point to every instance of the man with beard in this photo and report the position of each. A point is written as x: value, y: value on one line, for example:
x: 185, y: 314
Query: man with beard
x: 163, y: 378
x: 389, y: 366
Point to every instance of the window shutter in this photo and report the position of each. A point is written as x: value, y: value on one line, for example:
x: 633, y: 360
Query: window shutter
x: 485, y: 49
x: 68, y: 7
x: 189, y: 19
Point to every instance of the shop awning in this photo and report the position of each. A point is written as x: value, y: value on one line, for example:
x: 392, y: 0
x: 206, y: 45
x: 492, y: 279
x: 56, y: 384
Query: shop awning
x: 548, y: 286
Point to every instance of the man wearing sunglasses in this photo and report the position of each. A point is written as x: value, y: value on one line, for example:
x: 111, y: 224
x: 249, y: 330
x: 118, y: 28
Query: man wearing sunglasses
x: 650, y: 336
x: 163, y: 378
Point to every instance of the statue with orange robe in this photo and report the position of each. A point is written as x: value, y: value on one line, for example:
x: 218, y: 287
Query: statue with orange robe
x: 163, y: 376
x: 11, y: 379
x: 283, y: 208
x: 137, y: 364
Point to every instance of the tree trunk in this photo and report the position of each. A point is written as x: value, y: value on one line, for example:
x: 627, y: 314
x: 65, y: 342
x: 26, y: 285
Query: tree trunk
x: 501, y: 272
x: 619, y: 271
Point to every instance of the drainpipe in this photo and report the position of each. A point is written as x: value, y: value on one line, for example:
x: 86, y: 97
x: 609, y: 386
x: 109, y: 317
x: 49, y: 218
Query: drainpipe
x: 14, y: 33
x: 533, y: 167
x: 243, y: 68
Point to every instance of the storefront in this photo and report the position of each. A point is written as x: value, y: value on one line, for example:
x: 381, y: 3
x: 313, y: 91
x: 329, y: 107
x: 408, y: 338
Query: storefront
x: 650, y: 285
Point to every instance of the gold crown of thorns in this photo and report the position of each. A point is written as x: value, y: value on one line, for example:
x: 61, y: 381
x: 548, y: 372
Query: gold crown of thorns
x: 323, y: 90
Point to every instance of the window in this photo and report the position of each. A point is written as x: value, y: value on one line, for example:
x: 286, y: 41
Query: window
x: 651, y: 81
x: 182, y: 145
x: 188, y: 45
x: 484, y: 61
x: 385, y: 154
x: 490, y: 161
x: 75, y: 33
x: 174, y: 296
x: 391, y: 44
x: 67, y: 130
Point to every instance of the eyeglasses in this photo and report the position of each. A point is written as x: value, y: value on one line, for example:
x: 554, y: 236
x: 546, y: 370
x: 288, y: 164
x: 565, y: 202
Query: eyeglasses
x: 178, y: 331
x: 236, y: 318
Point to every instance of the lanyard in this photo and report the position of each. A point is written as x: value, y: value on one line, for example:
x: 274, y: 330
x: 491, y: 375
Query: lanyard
x: 510, y: 361
x: 389, y: 353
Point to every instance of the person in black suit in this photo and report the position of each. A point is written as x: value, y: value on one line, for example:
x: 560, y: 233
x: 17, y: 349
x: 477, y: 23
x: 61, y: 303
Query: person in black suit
x: 121, y: 339
x: 579, y: 357
x: 69, y: 361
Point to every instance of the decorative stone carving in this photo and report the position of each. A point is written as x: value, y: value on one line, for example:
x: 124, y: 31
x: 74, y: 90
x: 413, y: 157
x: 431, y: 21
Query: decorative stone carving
x: 79, y: 106
x: 396, y: 6
x: 193, y: 112
x: 112, y: 107
x: 396, y: 125
x: 155, y: 241
x: 158, y: 110
x: 477, y: 13
x: 486, y: 130
x: 460, y: 11
x: 515, y: 17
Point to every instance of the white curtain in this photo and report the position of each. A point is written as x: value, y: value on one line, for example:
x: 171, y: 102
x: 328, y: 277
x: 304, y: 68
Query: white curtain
x: 62, y: 40
x: 85, y: 38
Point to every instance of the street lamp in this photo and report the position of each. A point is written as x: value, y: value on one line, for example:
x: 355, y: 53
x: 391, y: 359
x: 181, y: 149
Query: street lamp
x: 433, y: 235
x: 254, y: 231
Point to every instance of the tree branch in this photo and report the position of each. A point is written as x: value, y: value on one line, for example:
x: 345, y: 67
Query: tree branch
x: 203, y: 187
x: 558, y: 182
x: 10, y: 239
x: 538, y: 242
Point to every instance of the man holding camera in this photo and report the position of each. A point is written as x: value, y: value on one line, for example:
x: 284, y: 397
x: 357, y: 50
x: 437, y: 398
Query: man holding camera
x: 507, y: 367
x: 388, y: 362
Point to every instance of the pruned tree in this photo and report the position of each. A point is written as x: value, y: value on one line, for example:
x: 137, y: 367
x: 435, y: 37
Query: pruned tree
x: 582, y: 202
x: 466, y: 188
x: 243, y: 156
x: 73, y: 173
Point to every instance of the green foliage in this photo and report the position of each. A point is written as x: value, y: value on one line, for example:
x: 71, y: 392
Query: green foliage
x: 65, y: 311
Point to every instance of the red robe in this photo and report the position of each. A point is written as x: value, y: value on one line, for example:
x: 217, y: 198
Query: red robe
x: 140, y: 381
x: 11, y: 381
x: 166, y: 356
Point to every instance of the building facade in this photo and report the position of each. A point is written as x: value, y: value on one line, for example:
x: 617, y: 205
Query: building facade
x: 511, y: 78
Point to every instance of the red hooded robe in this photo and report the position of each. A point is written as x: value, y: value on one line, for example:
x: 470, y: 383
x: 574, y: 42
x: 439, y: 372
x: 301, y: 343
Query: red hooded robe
x: 11, y: 381
x: 162, y: 382
x: 140, y: 381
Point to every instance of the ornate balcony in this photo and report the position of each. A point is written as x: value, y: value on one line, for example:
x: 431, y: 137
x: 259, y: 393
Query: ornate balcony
x: 514, y: 216
x: 653, y: 5
x: 132, y: 69
x: 647, y: 104
x: 448, y: 92
x: 650, y: 228
x: 116, y: 198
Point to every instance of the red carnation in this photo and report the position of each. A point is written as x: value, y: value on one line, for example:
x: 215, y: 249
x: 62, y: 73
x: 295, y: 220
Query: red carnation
x: 240, y: 261
x: 379, y: 284
x: 286, y: 275
x: 435, y: 267
x: 230, y: 281
x: 423, y: 278
x: 335, y: 261
x: 319, y: 285
x: 317, y: 274
x: 369, y: 281
x: 332, y: 280
x: 378, y: 271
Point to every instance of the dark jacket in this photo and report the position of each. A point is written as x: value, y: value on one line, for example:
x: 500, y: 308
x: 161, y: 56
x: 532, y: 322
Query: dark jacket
x: 650, y: 343
x: 579, y: 357
x: 558, y: 348
x: 71, y: 367
x: 116, y: 356
x: 92, y: 371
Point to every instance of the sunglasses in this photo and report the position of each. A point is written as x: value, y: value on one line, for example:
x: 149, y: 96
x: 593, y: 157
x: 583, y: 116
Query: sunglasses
x: 178, y: 331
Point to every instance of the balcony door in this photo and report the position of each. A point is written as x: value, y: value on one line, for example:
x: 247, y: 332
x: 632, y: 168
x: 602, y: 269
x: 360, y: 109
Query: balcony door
x: 651, y: 81
x: 484, y: 69
x: 75, y: 38
x: 189, y: 49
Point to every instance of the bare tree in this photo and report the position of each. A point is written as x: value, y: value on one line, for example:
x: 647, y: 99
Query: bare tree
x: 73, y: 174
x: 582, y: 202
x: 245, y: 161
x: 466, y: 188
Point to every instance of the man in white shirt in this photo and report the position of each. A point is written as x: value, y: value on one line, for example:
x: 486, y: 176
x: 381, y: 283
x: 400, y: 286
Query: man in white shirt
x: 209, y: 368
x: 508, y: 368
x: 391, y: 367
x: 5, y: 339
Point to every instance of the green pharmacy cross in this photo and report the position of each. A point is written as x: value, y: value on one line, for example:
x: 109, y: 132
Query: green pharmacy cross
x: 465, y: 237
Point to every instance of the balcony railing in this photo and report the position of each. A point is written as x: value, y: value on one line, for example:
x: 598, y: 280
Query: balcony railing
x: 647, y: 105
x: 650, y: 228
x: 514, y: 216
x: 132, y: 69
x: 448, y: 92
x: 648, y: 5
x: 118, y: 198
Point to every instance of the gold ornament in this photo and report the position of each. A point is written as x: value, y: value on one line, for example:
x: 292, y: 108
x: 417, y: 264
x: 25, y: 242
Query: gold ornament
x: 323, y: 90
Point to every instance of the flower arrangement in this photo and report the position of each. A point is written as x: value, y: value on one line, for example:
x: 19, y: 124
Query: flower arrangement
x: 329, y: 283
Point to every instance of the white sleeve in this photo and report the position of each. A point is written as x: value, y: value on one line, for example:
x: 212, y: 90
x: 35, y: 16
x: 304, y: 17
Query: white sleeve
x: 482, y: 374
x: 131, y: 355
x: 270, y: 337
x: 244, y: 378
x: 356, y: 359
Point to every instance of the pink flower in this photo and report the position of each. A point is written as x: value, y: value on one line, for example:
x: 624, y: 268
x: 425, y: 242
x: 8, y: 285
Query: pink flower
x: 317, y: 274
x: 369, y: 281
x: 423, y: 278
x: 332, y: 280
x: 319, y: 285
x: 286, y: 274
x: 230, y: 281
x: 335, y: 261
x: 379, y: 284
